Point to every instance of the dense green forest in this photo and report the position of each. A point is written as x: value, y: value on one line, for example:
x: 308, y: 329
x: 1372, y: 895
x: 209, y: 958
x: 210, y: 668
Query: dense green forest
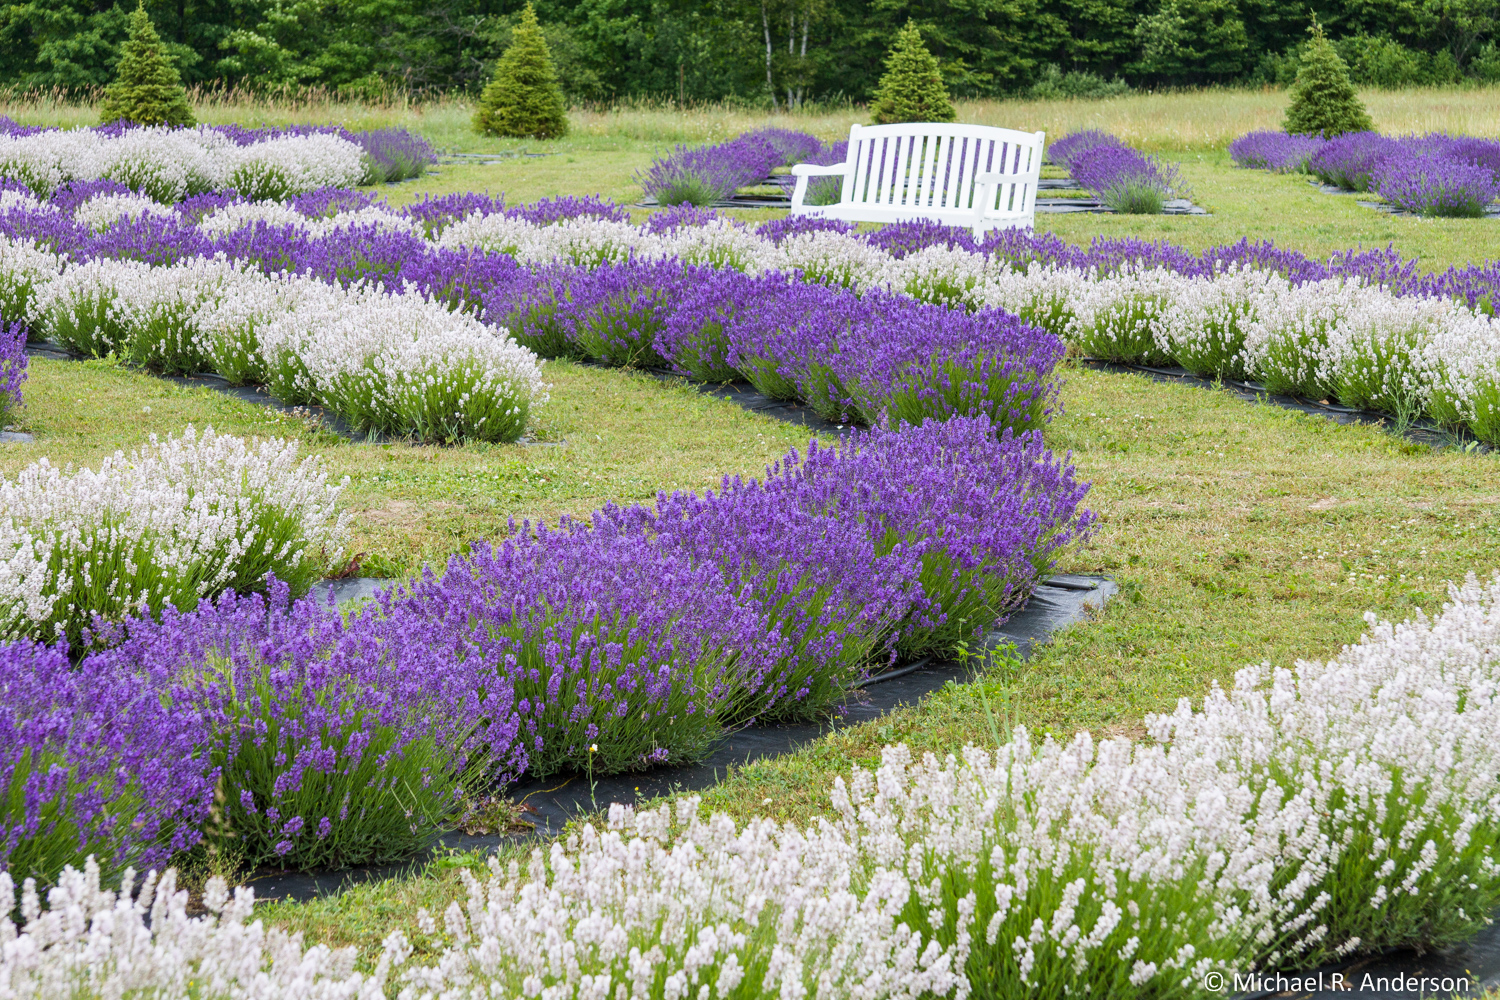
x: 760, y: 51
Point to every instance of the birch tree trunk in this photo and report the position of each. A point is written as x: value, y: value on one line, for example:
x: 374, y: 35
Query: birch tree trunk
x: 765, y: 20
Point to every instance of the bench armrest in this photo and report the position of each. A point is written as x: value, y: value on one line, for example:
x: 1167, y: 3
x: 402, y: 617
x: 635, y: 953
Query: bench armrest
x: 815, y: 170
x: 803, y: 171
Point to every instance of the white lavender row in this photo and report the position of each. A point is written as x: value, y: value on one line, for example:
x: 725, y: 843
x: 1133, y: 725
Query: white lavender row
x: 393, y: 362
x: 1307, y: 813
x: 169, y: 524
x: 169, y: 164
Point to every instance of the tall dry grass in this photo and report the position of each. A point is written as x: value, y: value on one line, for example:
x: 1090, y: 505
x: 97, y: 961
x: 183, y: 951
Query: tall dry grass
x: 1192, y: 120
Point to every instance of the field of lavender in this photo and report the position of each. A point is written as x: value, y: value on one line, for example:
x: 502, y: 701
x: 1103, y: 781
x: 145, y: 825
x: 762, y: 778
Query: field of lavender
x: 292, y: 735
x: 245, y: 287
x: 171, y: 164
x: 1032, y: 868
x: 1435, y: 175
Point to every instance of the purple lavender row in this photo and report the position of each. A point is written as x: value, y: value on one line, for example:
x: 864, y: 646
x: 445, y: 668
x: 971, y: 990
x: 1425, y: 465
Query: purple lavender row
x: 854, y: 358
x: 158, y: 240
x: 1435, y: 174
x: 322, y: 741
x: 701, y: 175
x: 1123, y: 177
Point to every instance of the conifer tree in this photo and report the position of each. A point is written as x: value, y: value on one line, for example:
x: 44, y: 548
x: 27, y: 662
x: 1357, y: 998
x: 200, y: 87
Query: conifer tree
x: 523, y: 101
x: 912, y: 88
x: 1323, y: 98
x: 146, y: 89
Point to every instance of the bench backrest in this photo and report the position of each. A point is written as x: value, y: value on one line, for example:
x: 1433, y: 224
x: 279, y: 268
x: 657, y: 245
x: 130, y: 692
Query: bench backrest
x: 931, y: 167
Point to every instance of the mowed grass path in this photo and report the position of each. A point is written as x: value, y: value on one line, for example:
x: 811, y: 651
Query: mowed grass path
x: 605, y: 435
x: 1239, y: 533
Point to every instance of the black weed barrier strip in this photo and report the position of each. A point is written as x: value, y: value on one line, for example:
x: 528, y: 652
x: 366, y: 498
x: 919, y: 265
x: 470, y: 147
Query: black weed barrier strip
x: 1054, y: 605
x: 1417, y: 431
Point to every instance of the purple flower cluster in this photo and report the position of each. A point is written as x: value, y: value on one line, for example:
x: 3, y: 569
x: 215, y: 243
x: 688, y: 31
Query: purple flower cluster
x: 1437, y: 185
x: 334, y: 742
x: 318, y: 740
x: 1275, y: 151
x: 1123, y: 177
x: 853, y: 358
x: 1075, y: 144
x: 1433, y: 175
x: 437, y: 213
x: 12, y: 367
x: 92, y: 761
x: 701, y: 175
x: 1349, y: 161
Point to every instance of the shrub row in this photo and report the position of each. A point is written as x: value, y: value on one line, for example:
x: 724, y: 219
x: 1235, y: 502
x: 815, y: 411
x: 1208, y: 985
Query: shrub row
x: 632, y: 641
x: 169, y: 164
x: 1430, y: 175
x: 1302, y: 815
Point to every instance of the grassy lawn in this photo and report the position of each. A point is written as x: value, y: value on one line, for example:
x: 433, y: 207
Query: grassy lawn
x: 1238, y: 532
x: 606, y: 435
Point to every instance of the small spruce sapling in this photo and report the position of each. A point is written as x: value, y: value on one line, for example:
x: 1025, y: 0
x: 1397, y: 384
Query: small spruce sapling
x: 1323, y: 98
x: 523, y: 101
x: 912, y: 88
x: 146, y: 89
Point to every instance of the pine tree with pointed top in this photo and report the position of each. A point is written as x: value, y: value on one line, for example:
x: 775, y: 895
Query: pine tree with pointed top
x: 523, y: 101
x: 1323, y: 98
x: 912, y: 88
x: 146, y: 89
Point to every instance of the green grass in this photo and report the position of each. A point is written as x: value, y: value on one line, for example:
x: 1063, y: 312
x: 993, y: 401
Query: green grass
x: 606, y: 435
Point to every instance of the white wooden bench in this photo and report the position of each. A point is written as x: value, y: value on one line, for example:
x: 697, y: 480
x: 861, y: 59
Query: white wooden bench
x: 962, y: 175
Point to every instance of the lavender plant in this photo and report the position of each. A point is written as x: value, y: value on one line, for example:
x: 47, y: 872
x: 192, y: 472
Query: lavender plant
x: 337, y: 742
x: 1436, y: 185
x: 94, y: 765
x: 165, y: 526
x: 12, y: 368
x: 618, y: 653
x: 1275, y: 151
x: 1125, y: 179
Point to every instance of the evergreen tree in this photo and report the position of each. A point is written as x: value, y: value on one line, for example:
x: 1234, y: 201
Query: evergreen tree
x: 523, y: 100
x: 912, y: 88
x: 1323, y: 99
x: 146, y: 89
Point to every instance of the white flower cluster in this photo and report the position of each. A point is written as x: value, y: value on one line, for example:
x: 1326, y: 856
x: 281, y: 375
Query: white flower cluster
x: 1338, y: 338
x: 170, y: 523
x: 394, y: 362
x: 168, y: 164
x: 103, y: 210
x: 1307, y: 812
x: 25, y: 270
x: 278, y: 213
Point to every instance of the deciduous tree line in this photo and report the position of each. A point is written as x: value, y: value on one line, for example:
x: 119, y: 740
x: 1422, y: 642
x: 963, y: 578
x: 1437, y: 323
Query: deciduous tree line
x: 781, y: 51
